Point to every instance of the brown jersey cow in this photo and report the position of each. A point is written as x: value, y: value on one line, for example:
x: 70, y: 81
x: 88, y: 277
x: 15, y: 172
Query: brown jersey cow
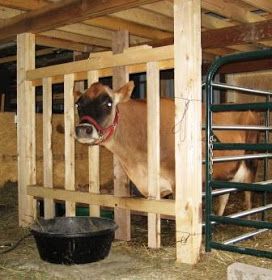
x: 123, y: 130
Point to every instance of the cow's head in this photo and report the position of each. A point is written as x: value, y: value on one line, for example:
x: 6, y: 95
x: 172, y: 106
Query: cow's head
x: 98, y: 112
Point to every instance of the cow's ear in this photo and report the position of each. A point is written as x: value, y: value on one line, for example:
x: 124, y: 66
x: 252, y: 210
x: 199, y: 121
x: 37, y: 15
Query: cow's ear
x: 124, y: 93
x: 77, y: 95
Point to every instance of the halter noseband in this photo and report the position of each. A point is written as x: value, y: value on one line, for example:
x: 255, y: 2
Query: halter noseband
x: 104, y: 133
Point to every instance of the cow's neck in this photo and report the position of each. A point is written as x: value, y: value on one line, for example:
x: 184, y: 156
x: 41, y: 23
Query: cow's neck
x: 130, y: 135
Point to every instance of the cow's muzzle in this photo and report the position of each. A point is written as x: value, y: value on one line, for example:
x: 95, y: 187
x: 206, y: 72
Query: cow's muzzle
x: 84, y: 130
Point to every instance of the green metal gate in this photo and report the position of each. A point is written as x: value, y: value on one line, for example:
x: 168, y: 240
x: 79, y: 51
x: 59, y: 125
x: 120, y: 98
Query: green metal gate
x: 264, y: 152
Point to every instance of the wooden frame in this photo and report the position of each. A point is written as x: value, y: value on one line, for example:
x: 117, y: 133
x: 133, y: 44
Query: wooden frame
x: 187, y: 60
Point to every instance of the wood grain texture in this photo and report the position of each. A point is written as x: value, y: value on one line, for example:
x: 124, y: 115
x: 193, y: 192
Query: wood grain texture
x: 188, y: 130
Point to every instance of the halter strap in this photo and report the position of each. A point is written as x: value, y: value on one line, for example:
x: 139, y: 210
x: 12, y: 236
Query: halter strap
x: 104, y: 132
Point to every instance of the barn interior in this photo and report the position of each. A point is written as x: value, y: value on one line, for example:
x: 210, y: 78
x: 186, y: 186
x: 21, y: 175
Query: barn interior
x: 73, y: 30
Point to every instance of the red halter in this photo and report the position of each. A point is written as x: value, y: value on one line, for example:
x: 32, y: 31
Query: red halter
x: 104, y: 133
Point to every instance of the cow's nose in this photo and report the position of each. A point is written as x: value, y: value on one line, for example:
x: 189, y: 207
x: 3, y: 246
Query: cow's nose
x: 89, y: 130
x: 83, y: 130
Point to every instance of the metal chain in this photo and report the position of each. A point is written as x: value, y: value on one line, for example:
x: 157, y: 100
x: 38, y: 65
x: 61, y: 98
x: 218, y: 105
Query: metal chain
x: 211, y: 141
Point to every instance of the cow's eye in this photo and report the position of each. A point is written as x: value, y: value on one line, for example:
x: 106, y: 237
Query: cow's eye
x: 109, y: 104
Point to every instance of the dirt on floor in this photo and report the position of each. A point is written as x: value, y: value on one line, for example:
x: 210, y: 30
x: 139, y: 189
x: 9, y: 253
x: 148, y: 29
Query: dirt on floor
x: 127, y: 260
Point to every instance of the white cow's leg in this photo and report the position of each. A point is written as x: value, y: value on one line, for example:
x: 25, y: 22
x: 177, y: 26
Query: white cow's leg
x: 222, y: 202
x: 248, y: 202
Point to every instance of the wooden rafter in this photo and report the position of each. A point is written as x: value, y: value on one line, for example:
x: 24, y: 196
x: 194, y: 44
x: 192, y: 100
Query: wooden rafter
x: 112, y: 23
x: 62, y: 44
x: 83, y: 39
x: 38, y: 53
x: 230, y: 10
x: 23, y: 4
x: 265, y: 5
x: 240, y: 34
x: 148, y: 18
x: 60, y: 13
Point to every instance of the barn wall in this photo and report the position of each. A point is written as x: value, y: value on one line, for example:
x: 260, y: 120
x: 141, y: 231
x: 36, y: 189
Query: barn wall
x: 258, y: 80
x: 8, y: 155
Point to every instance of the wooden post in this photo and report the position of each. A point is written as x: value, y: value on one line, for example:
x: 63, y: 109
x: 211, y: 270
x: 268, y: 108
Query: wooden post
x: 69, y: 121
x: 93, y: 151
x: 153, y: 149
x: 49, y: 205
x: 79, y: 85
x: 187, y: 49
x: 120, y: 41
x: 26, y: 144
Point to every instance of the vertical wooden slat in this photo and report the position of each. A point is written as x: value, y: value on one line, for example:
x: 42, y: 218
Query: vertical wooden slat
x: 49, y: 205
x: 153, y: 149
x: 79, y: 85
x: 187, y: 48
x: 26, y: 142
x: 93, y: 152
x: 69, y: 121
x: 120, y: 41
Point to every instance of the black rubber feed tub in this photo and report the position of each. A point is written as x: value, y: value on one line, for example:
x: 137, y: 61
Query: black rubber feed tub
x: 73, y: 240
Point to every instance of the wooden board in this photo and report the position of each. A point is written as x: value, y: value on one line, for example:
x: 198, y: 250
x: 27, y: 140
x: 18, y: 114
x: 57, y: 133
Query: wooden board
x: 120, y: 41
x: 49, y: 205
x: 163, y: 206
x: 153, y: 150
x: 101, y: 61
x: 26, y: 128
x: 188, y: 129
x: 93, y: 152
x: 69, y: 147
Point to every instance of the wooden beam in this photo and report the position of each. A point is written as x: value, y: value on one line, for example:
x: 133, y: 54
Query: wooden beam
x: 163, y: 206
x: 242, y: 67
x: 133, y: 28
x: 265, y: 5
x: 61, y: 13
x: 38, y: 53
x: 62, y: 44
x: 147, y: 18
x: 240, y: 34
x: 69, y: 141
x: 120, y: 41
x: 8, y: 13
x: 94, y: 159
x: 26, y: 141
x: 49, y: 205
x: 105, y: 60
x: 230, y: 10
x: 188, y: 165
x: 82, y: 39
x: 161, y: 7
x: 153, y: 150
x: 87, y: 30
x: 24, y: 5
x: 106, y: 72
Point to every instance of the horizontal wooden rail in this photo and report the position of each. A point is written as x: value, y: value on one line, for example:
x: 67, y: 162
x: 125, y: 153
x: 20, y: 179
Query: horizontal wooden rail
x: 163, y: 206
x: 104, y: 60
x: 107, y: 72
